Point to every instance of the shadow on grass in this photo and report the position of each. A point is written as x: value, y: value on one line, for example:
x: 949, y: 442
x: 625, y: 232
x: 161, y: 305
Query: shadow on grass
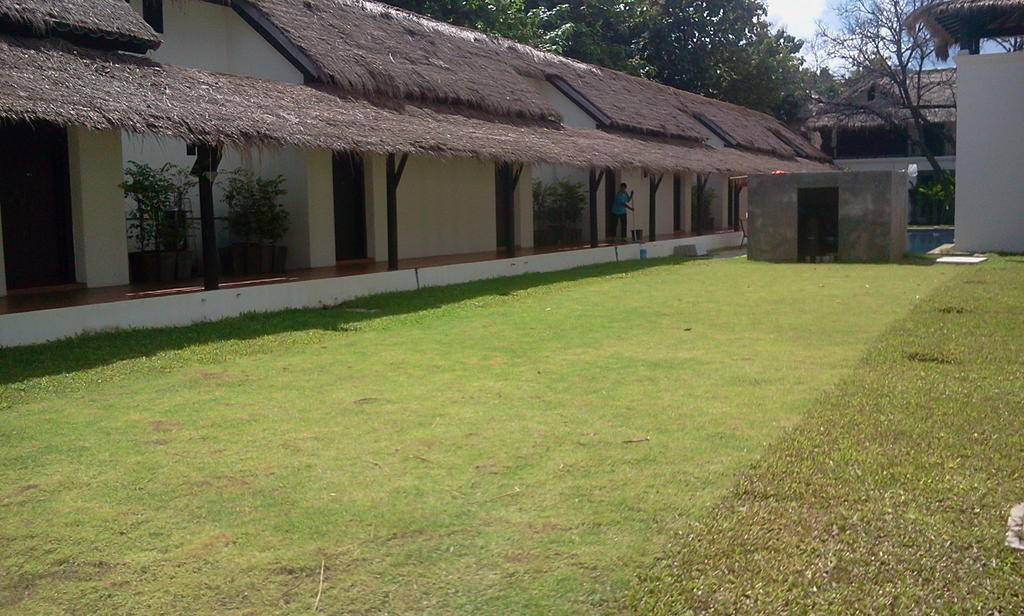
x: 99, y: 349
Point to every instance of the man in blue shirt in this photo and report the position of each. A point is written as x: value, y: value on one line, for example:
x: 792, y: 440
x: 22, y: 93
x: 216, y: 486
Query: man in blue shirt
x: 619, y: 207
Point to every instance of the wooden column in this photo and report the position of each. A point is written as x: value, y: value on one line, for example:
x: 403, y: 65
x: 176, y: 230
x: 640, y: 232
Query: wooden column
x: 205, y: 168
x: 655, y: 182
x: 595, y: 184
x: 395, y: 168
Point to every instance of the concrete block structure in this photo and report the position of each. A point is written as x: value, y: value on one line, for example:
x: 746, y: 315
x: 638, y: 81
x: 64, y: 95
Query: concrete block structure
x: 822, y: 217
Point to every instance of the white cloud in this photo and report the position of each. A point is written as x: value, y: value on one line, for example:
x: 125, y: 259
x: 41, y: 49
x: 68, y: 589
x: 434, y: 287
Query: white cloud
x: 797, y: 16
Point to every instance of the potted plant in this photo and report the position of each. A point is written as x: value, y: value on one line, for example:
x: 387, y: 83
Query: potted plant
x: 258, y: 222
x: 159, y: 222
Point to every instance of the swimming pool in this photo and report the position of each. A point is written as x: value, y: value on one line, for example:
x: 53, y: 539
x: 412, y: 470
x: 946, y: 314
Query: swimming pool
x: 922, y: 239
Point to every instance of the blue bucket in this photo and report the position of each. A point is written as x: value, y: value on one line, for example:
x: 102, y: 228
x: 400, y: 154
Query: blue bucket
x: 643, y: 253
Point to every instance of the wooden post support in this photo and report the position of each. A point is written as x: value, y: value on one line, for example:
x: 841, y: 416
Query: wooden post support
x: 394, y: 176
x: 655, y: 182
x: 205, y: 168
x: 595, y: 183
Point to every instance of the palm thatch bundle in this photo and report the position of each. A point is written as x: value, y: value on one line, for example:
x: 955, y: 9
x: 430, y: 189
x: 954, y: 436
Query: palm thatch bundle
x: 991, y: 18
x: 53, y: 81
x: 376, y: 51
x: 111, y: 21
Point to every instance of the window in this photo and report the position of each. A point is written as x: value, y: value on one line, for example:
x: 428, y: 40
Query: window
x: 871, y: 93
x: 716, y: 130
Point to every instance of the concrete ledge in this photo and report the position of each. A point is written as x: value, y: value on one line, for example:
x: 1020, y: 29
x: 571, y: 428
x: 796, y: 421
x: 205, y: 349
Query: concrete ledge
x: 24, y: 328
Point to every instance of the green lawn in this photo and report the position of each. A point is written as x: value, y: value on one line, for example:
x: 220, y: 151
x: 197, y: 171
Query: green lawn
x: 892, y: 496
x: 519, y: 446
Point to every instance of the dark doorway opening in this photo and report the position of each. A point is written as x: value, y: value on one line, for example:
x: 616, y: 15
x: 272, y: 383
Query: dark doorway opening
x: 735, y: 190
x: 349, y: 207
x: 611, y: 186
x: 677, y: 203
x: 35, y: 206
x: 817, y: 224
x: 503, y: 204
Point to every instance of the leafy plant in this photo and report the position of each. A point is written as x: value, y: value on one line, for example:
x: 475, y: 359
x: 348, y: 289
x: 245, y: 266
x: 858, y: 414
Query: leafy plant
x: 558, y: 204
x: 255, y: 212
x: 702, y: 198
x: 159, y: 220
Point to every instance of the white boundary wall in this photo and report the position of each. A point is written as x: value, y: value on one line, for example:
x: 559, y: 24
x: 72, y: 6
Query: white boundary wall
x: 989, y: 132
x: 24, y: 328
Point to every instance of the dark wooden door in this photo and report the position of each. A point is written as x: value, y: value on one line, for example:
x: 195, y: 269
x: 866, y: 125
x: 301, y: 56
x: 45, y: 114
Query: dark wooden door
x: 611, y: 186
x: 502, y: 203
x: 817, y: 223
x: 349, y: 207
x: 677, y: 203
x: 35, y: 206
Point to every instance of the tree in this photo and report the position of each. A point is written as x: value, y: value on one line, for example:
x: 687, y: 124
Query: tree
x: 602, y: 32
x: 724, y: 49
x: 873, y: 46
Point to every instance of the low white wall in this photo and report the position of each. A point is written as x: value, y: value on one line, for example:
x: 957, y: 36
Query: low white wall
x: 42, y: 325
x: 175, y: 310
x: 989, y: 133
x: 97, y: 207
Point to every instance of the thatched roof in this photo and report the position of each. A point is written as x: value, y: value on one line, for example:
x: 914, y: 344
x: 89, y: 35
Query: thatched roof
x: 871, y: 103
x: 67, y: 85
x: 109, y: 24
x: 377, y: 51
x: 991, y: 19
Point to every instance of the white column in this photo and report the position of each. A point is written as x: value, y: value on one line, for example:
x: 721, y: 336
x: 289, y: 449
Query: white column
x: 524, y: 208
x: 97, y: 207
x: 320, y: 210
x: 375, y: 176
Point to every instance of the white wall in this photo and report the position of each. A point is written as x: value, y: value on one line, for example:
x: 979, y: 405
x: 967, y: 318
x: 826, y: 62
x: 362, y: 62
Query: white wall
x: 311, y: 233
x: 213, y: 37
x: 989, y: 134
x: 639, y: 184
x: 445, y: 207
x: 97, y: 207
x: 572, y: 115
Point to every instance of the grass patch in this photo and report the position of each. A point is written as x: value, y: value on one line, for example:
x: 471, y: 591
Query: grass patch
x: 892, y: 497
x: 518, y: 446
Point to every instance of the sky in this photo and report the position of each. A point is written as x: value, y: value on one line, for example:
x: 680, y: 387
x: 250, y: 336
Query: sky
x: 797, y: 16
